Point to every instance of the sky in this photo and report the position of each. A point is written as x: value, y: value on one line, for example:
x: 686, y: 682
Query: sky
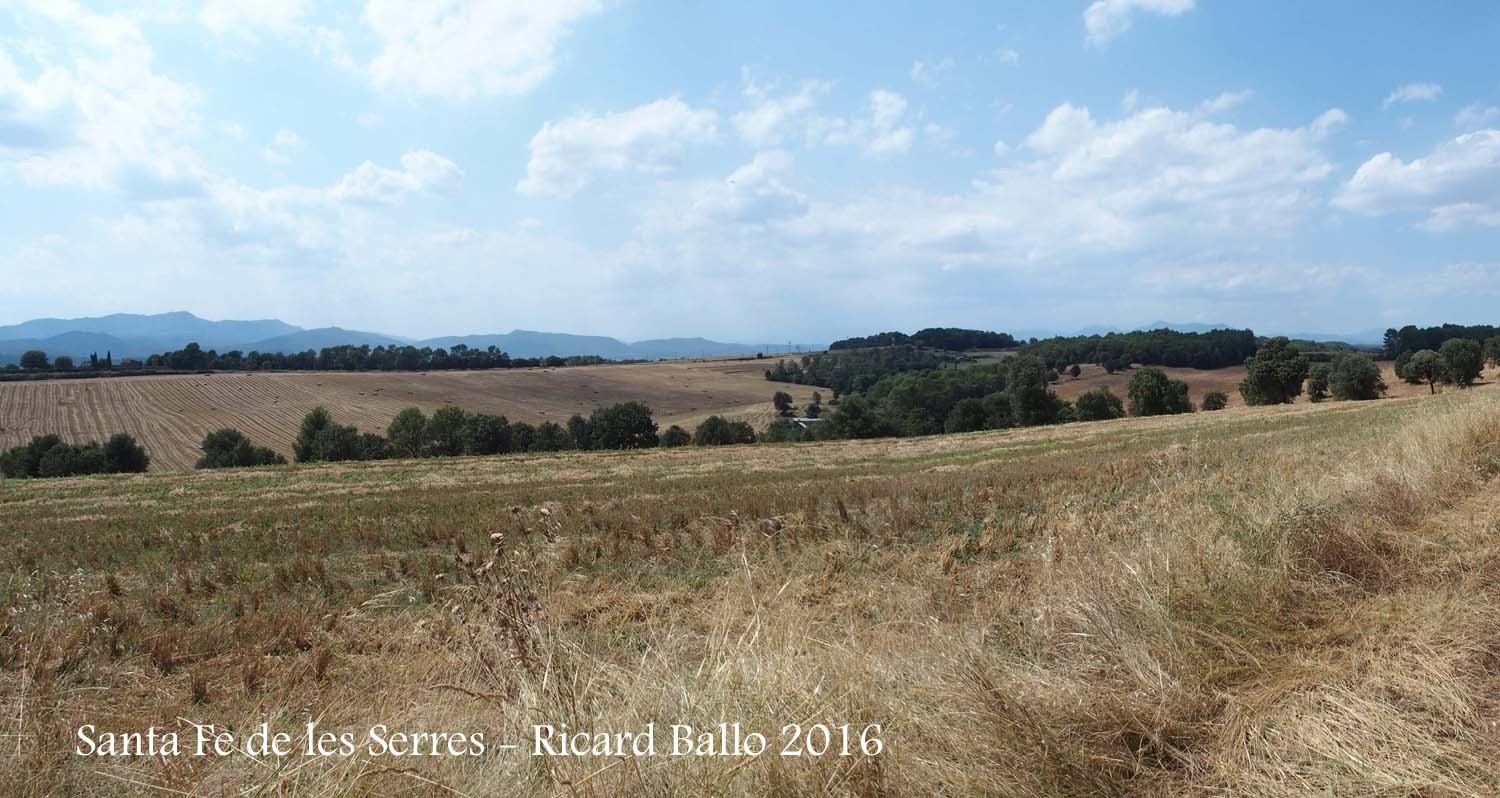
x: 752, y: 171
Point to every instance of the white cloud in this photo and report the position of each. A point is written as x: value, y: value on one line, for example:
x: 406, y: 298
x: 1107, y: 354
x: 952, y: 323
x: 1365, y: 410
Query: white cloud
x: 421, y: 172
x: 566, y: 155
x: 1474, y: 116
x: 1157, y: 178
x: 1413, y: 92
x: 772, y: 118
x: 882, y: 133
x: 242, y: 18
x: 930, y: 74
x: 1106, y: 19
x: 1226, y: 101
x: 457, y: 49
x: 1457, y: 184
x: 96, y: 114
x: 285, y: 143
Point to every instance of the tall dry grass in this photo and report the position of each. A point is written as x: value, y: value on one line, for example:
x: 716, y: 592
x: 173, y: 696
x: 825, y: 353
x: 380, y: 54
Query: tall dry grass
x: 1271, y: 603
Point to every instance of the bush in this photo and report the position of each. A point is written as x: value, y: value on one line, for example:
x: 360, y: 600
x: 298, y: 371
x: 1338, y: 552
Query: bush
x: 677, y: 436
x: 124, y: 456
x: 1215, y: 400
x: 1274, y: 374
x: 312, y: 424
x: 1153, y: 393
x: 1355, y: 377
x: 1099, y: 404
x: 720, y: 431
x: 229, y: 448
x: 408, y: 433
x: 780, y: 431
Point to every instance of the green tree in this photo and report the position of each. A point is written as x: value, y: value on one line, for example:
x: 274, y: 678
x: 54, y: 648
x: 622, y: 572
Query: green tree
x: 720, y: 431
x: 1153, y: 393
x: 229, y: 448
x: 967, y: 415
x: 370, y: 446
x: 63, y: 363
x: 445, y: 431
x: 334, y: 443
x: 124, y: 456
x: 551, y: 437
x: 1215, y: 400
x: 627, y: 425
x: 1317, y: 382
x: 1492, y: 350
x: 1098, y: 404
x: 521, y: 436
x: 581, y: 432
x: 1462, y: 361
x: 1355, y: 377
x: 1030, y: 401
x: 1274, y: 374
x: 1424, y: 366
x: 677, y: 436
x: 486, y: 434
x: 408, y: 433
x: 782, y: 401
x: 33, y: 359
x: 1074, y: 370
x: 313, y: 423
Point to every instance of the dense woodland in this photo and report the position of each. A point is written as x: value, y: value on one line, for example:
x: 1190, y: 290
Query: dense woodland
x: 1414, y: 339
x: 953, y: 339
x: 1117, y: 351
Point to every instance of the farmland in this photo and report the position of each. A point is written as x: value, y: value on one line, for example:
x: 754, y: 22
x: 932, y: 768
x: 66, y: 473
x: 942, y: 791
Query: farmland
x: 1287, y: 601
x: 171, y: 414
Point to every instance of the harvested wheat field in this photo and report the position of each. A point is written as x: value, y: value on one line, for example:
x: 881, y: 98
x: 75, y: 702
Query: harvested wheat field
x: 1290, y: 601
x: 171, y: 414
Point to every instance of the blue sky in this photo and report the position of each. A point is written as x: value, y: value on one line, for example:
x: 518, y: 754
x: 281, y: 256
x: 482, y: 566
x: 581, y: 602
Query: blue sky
x: 752, y: 171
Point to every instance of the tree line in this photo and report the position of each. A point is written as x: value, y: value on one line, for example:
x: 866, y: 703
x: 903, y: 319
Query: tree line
x: 1117, y: 351
x: 51, y: 456
x: 854, y: 370
x: 953, y: 339
x: 1412, y: 338
x: 344, y: 357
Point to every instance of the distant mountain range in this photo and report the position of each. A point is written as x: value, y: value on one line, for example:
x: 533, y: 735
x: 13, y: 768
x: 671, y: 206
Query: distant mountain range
x: 132, y: 335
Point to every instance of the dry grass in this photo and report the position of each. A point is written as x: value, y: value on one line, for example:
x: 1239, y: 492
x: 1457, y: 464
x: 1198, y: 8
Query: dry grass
x: 1270, y: 602
x: 171, y: 414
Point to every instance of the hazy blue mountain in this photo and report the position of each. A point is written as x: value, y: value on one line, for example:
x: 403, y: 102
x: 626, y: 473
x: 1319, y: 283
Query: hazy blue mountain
x: 77, y: 345
x: 173, y: 329
x: 303, y: 340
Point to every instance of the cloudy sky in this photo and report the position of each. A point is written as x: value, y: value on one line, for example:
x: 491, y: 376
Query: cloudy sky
x: 752, y: 171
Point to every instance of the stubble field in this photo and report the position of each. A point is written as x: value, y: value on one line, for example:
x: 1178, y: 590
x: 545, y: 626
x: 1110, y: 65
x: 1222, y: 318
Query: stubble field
x: 1292, y: 601
x: 170, y: 414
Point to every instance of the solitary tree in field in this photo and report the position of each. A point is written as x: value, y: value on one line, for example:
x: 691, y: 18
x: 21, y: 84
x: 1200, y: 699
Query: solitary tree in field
x: 1153, y: 393
x: 1215, y: 400
x: 1462, y: 361
x: 34, y: 359
x: 1274, y: 374
x: 783, y: 403
x: 1355, y: 377
x: 1074, y: 370
x: 1424, y: 366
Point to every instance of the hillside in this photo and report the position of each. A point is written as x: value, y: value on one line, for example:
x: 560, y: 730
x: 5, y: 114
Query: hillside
x: 170, y: 414
x: 1292, y: 601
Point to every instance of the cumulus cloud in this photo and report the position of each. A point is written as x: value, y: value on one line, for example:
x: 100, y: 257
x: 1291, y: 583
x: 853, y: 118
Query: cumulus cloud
x: 884, y: 131
x: 1457, y: 184
x: 1226, y: 101
x: 421, y: 172
x: 1106, y: 19
x: 566, y: 155
x: 458, y: 49
x: 772, y: 117
x: 1413, y: 92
